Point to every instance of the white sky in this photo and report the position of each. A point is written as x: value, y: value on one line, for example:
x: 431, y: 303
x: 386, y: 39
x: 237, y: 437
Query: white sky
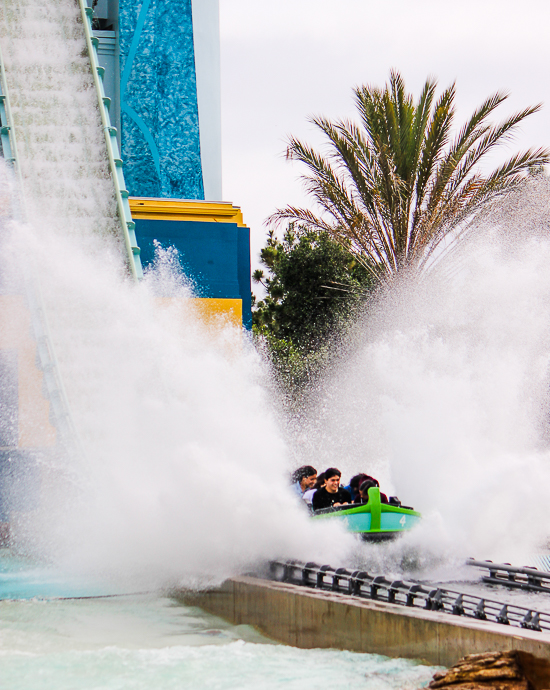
x: 283, y: 60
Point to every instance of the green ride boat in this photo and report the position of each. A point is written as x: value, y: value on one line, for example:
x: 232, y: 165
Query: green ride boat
x: 373, y: 521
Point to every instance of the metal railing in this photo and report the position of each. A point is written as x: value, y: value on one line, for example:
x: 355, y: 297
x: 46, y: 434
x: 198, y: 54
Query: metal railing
x: 115, y: 162
x: 360, y: 584
x: 526, y: 578
x: 7, y: 138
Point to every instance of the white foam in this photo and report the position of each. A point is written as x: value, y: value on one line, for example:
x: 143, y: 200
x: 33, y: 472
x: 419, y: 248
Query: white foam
x: 185, y: 468
x: 144, y: 643
x: 444, y: 394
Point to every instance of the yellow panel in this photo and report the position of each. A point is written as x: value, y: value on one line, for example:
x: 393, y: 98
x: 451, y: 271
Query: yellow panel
x: 212, y: 312
x: 35, y: 429
x: 176, y: 209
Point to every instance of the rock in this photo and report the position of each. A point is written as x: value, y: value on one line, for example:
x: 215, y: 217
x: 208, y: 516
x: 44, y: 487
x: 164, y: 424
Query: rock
x: 492, y: 685
x: 509, y: 670
x: 481, y: 668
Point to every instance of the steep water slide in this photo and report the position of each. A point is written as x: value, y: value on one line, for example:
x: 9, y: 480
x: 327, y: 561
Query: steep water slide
x: 57, y: 135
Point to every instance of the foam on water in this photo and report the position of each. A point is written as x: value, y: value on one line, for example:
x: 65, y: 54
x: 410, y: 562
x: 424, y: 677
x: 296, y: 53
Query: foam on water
x: 150, y: 642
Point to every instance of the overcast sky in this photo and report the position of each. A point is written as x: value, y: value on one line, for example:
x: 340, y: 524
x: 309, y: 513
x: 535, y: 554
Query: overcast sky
x: 284, y: 60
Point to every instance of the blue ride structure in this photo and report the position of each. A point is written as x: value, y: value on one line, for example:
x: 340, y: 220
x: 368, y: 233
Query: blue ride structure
x: 165, y: 93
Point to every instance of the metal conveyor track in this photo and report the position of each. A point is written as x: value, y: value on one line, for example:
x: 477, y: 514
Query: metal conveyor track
x: 412, y: 594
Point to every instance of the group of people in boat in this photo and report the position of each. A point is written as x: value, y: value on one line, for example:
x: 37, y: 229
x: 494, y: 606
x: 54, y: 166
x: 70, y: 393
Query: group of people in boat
x: 324, y: 490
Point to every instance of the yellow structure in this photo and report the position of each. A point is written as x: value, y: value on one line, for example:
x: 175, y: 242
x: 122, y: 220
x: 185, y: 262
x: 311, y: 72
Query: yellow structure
x: 178, y: 209
x: 213, y: 245
x: 215, y: 313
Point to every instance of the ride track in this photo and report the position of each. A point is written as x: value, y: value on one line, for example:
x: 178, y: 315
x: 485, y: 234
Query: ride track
x: 10, y: 131
x: 361, y: 584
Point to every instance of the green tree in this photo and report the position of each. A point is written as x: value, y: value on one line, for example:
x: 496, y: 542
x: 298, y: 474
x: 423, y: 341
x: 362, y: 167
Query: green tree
x: 397, y: 190
x: 313, y: 288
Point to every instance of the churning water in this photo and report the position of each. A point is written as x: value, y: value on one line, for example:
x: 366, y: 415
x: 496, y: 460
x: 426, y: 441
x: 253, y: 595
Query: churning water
x: 443, y: 392
x: 148, y: 641
x: 183, y: 474
x: 145, y: 642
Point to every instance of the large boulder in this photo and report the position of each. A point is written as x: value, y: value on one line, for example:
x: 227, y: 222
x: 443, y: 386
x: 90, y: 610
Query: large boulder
x: 495, y: 671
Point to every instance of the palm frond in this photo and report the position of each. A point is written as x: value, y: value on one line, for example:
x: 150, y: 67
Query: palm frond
x: 395, y: 190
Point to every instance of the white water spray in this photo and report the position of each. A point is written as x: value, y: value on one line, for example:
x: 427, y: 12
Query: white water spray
x: 62, y: 153
x: 184, y: 472
x: 188, y: 467
x: 446, y: 395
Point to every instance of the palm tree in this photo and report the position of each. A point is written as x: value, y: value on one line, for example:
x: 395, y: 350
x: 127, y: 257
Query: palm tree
x: 397, y: 191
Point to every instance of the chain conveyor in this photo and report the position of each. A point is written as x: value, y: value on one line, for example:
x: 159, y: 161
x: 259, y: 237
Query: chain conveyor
x: 409, y: 593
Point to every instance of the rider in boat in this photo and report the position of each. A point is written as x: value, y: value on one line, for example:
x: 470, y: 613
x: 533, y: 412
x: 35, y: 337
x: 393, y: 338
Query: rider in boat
x: 332, y: 494
x: 303, y: 479
x: 363, y: 495
x: 308, y: 495
x: 354, y: 484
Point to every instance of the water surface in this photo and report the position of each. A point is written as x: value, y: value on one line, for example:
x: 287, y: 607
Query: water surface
x: 151, y: 642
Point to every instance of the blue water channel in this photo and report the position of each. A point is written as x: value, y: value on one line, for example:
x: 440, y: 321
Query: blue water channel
x: 51, y: 642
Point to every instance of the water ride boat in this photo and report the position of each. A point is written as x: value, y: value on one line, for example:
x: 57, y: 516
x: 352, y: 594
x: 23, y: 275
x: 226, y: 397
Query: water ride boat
x: 373, y: 521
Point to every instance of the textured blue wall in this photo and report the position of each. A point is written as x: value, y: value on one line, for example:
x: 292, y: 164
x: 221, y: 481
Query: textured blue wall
x: 158, y: 95
x: 216, y: 256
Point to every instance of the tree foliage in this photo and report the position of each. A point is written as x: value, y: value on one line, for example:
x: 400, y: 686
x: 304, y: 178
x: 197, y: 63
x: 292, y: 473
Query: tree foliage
x: 398, y: 190
x: 313, y: 285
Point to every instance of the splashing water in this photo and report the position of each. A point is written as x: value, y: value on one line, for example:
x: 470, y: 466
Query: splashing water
x: 185, y: 470
x: 444, y: 394
x: 149, y: 642
x: 183, y: 474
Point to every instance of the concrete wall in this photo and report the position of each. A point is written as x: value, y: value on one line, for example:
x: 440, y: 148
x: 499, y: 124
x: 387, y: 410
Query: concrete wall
x: 307, y: 618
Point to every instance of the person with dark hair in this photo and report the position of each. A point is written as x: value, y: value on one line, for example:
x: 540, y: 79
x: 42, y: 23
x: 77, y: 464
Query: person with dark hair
x: 319, y: 483
x: 303, y: 479
x: 332, y: 494
x: 354, y: 484
x: 363, y: 495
